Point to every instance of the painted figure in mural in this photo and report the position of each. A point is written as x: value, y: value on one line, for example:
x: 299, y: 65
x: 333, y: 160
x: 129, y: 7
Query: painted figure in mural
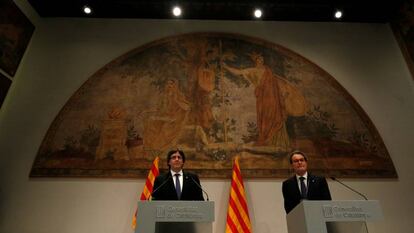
x: 201, y: 78
x: 270, y: 104
x: 163, y: 127
x: 303, y: 185
x: 202, y: 89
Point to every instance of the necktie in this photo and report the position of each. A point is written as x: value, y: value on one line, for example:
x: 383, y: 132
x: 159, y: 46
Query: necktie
x: 177, y: 185
x: 303, y: 187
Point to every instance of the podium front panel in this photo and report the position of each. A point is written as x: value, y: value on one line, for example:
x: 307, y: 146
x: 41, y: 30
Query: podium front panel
x: 332, y: 216
x: 345, y: 227
x: 175, y: 216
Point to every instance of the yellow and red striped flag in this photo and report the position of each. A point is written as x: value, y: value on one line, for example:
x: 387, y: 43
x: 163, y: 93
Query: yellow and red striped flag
x: 149, y: 184
x: 238, y: 220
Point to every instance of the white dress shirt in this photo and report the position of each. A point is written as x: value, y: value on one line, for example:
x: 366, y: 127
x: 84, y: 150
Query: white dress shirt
x: 305, y: 180
x: 181, y: 178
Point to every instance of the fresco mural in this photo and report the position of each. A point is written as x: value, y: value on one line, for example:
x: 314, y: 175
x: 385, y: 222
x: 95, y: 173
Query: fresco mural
x: 15, y: 33
x: 214, y: 96
x: 403, y: 28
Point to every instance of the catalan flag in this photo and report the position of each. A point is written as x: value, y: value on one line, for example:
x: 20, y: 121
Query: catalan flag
x: 149, y: 184
x: 238, y: 220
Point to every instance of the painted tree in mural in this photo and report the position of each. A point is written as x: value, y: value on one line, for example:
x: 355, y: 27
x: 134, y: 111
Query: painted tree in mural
x: 214, y: 96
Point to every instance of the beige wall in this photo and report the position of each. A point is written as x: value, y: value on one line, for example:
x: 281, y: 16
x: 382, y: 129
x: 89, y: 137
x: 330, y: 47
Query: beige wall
x: 63, y: 53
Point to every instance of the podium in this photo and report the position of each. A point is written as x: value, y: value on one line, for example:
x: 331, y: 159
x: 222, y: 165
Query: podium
x: 333, y: 216
x: 175, y: 216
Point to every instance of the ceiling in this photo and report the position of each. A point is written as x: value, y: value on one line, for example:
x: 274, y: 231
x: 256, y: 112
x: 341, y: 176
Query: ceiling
x: 276, y: 10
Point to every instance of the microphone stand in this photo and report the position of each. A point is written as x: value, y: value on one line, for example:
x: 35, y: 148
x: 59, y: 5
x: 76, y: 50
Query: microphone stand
x: 362, y: 195
x: 199, y: 187
x: 162, y: 184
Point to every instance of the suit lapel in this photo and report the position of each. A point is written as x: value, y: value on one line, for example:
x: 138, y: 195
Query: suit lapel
x: 311, y: 183
x: 186, y: 183
x: 295, y: 187
x: 171, y: 186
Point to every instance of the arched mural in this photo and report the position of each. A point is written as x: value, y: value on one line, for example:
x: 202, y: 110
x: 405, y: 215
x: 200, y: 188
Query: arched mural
x: 214, y: 96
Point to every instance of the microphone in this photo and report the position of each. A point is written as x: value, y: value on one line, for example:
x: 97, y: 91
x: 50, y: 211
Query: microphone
x: 198, y: 186
x: 362, y: 195
x: 158, y: 188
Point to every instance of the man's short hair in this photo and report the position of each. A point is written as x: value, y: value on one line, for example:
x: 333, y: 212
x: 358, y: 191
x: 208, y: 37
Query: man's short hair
x: 295, y: 153
x: 171, y: 152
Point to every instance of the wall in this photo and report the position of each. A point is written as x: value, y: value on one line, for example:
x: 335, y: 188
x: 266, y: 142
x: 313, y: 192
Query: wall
x: 63, y: 53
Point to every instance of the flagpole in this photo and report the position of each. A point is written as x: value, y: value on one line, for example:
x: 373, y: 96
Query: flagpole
x: 148, y: 187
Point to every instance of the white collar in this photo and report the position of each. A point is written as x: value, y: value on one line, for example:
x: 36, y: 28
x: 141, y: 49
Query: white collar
x: 304, y: 175
x: 173, y: 173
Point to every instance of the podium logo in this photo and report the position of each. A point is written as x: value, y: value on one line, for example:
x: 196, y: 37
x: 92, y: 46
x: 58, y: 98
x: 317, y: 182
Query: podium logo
x: 160, y: 212
x: 327, y: 211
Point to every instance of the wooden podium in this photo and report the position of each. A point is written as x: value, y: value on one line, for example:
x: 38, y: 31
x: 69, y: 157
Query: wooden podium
x: 333, y: 216
x: 175, y: 217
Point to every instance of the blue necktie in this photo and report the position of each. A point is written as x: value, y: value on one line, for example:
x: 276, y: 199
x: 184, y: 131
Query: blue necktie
x: 303, y: 190
x: 177, y: 185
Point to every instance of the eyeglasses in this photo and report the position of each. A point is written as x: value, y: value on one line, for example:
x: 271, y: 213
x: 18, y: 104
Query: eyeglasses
x: 298, y: 160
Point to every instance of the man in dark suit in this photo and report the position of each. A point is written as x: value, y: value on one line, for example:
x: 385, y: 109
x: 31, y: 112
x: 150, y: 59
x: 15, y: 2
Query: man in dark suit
x: 303, y: 185
x: 177, y: 184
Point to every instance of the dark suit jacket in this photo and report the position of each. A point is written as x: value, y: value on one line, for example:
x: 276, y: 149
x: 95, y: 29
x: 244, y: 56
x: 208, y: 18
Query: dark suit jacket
x: 164, y: 188
x: 317, y: 190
